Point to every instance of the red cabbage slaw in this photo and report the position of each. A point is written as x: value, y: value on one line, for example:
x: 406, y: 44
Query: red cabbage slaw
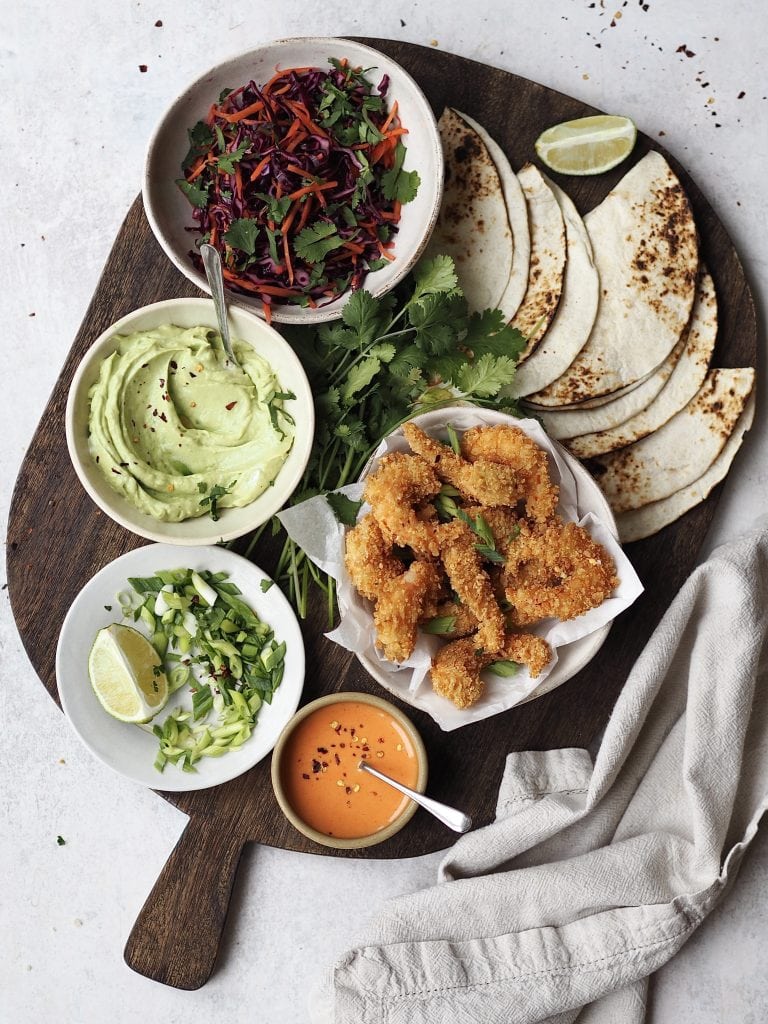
x: 299, y: 183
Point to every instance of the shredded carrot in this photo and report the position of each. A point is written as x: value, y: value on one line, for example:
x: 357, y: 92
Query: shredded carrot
x: 287, y: 254
x: 390, y: 118
x: 255, y: 173
x: 305, y: 209
x: 254, y: 108
x: 314, y: 187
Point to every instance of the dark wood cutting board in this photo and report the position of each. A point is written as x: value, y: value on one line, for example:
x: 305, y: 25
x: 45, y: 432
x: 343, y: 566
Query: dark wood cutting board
x: 57, y: 535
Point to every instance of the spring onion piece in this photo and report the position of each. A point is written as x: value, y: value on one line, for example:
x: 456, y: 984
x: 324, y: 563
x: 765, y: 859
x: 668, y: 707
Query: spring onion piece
x: 212, y: 641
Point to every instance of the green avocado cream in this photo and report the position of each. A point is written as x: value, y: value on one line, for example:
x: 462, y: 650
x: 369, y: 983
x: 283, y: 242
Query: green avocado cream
x: 170, y: 420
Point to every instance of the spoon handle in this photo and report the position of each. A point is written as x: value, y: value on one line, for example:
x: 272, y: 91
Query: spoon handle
x: 212, y: 265
x: 450, y: 816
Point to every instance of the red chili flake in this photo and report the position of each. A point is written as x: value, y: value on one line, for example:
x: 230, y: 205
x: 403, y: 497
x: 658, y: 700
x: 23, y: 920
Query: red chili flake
x: 741, y: 96
x: 174, y: 365
x: 142, y: 68
x: 192, y: 374
x: 117, y: 471
x: 32, y: 314
x: 162, y: 382
x: 163, y: 417
x: 304, y: 775
x: 322, y: 750
x: 158, y: 24
x: 342, y: 745
x: 230, y: 405
x: 316, y: 766
x: 337, y: 759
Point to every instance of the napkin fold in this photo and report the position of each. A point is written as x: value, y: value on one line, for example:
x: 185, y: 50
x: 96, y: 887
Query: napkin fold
x: 593, y: 876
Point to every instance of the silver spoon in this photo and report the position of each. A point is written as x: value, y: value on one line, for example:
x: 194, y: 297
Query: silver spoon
x: 212, y: 264
x: 456, y: 820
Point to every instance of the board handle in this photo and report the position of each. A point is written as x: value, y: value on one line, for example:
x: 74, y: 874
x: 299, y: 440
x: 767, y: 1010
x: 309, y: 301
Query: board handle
x: 176, y: 937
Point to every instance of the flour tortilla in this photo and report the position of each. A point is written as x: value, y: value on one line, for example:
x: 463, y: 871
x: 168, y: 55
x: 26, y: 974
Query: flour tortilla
x: 572, y: 323
x: 567, y: 423
x: 645, y: 249
x: 685, y: 380
x: 645, y: 521
x: 472, y: 226
x: 681, y: 451
x: 547, y: 265
x: 517, y: 214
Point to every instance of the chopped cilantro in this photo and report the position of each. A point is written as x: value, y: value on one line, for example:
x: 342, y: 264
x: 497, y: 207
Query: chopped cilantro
x: 343, y: 508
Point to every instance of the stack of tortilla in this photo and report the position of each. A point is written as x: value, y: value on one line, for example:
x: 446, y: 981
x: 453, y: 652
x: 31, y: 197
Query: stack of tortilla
x: 620, y: 317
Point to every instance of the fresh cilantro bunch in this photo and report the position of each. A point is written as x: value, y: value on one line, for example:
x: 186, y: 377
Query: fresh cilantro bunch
x: 415, y: 349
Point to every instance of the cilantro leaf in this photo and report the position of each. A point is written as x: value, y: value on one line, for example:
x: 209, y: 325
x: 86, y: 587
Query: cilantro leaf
x: 361, y: 314
x: 438, y: 321
x: 242, y: 234
x: 343, y: 508
x: 316, y: 241
x: 276, y: 208
x: 486, y: 376
x: 196, y: 194
x: 359, y: 377
x: 435, y: 275
x: 200, y: 141
x: 397, y: 184
x: 487, y: 333
x: 226, y: 162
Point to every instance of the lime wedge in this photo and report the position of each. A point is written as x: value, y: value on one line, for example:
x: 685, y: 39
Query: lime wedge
x: 126, y: 674
x: 588, y: 145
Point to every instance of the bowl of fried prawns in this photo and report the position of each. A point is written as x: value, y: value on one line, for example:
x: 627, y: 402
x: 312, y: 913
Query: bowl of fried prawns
x: 486, y: 560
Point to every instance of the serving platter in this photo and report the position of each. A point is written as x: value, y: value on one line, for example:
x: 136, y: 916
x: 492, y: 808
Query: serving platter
x: 58, y: 535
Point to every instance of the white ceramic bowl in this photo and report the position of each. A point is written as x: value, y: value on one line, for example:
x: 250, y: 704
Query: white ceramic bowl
x: 130, y: 750
x: 232, y: 522
x: 170, y: 215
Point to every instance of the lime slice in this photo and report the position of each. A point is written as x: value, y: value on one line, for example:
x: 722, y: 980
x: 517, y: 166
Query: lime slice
x: 588, y: 145
x: 126, y: 674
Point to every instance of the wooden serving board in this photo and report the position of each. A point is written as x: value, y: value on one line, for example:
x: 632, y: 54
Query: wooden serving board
x: 58, y: 535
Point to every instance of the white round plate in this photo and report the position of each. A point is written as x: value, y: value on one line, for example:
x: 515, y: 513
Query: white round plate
x: 130, y: 750
x: 571, y: 657
x: 170, y: 215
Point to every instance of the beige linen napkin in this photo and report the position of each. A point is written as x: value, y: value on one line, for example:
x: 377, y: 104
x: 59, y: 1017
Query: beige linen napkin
x: 591, y: 878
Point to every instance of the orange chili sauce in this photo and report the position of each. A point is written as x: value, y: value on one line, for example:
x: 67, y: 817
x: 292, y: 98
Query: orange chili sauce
x: 320, y: 777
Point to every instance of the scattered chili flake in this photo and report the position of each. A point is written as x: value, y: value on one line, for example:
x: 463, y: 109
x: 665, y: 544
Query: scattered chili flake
x: 741, y: 96
x: 304, y: 775
x: 316, y: 766
x: 158, y: 24
x: 142, y: 68
x: 230, y: 405
x: 322, y: 750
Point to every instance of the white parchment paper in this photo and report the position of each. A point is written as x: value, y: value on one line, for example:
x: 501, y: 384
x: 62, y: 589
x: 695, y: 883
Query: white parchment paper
x: 315, y: 528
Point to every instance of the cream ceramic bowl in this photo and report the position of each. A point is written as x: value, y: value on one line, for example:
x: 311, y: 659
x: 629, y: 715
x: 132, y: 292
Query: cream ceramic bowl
x: 232, y: 522
x: 362, y: 841
x: 170, y: 215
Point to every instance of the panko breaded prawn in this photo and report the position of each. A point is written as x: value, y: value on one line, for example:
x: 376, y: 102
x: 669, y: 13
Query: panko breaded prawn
x: 400, y: 483
x: 558, y: 571
x: 464, y: 568
x: 369, y: 559
x: 456, y: 667
x: 400, y: 605
x: 462, y: 621
x: 509, y: 446
x: 503, y: 523
x: 486, y: 482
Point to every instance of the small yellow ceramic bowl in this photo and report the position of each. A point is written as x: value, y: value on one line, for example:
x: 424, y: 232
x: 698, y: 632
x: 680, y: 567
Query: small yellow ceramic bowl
x: 333, y: 702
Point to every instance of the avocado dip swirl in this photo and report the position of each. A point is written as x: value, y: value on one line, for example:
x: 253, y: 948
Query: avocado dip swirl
x: 170, y: 420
